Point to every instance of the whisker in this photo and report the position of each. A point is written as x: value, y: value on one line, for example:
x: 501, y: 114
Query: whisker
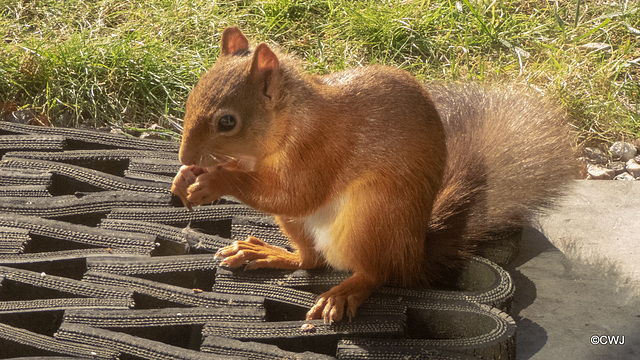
x: 213, y: 158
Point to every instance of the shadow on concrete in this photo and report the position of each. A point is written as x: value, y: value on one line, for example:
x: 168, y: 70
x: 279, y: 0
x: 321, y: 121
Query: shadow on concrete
x: 560, y: 304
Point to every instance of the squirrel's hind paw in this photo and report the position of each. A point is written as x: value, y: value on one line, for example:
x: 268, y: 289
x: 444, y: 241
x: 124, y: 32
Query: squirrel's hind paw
x: 345, y: 297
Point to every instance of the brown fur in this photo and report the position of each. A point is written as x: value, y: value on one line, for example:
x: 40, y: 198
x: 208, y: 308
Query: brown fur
x: 510, y: 156
x: 367, y: 147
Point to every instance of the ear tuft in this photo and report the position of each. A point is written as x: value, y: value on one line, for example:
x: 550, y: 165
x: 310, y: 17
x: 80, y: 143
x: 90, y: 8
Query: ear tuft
x: 233, y: 41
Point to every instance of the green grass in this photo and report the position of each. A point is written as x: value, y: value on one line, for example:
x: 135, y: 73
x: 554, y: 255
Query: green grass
x: 128, y: 62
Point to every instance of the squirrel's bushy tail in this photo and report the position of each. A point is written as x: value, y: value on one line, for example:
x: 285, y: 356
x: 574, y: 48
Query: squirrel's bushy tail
x: 509, y: 156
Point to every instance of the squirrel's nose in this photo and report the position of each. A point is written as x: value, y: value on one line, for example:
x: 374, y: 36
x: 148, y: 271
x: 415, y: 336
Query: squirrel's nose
x: 186, y: 156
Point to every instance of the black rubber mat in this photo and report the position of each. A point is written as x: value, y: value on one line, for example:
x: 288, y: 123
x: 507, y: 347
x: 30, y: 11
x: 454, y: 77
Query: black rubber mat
x: 171, y: 295
x: 99, y: 261
x: 474, y: 330
x: 190, y: 271
x: 89, y: 139
x: 185, y: 240
x: 86, y: 179
x: 254, y: 350
x: 17, y: 342
x: 88, y: 157
x: 13, y: 240
x: 24, y: 191
x: 112, y: 161
x: 313, y: 335
x: 51, y: 235
x: 163, y: 317
x: 24, y: 177
x: 129, y: 345
x: 168, y: 166
x: 32, y: 142
x: 180, y: 215
x: 74, y: 207
x: 57, y: 290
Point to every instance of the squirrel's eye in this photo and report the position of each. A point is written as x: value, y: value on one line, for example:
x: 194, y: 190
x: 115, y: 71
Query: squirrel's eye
x: 226, y: 123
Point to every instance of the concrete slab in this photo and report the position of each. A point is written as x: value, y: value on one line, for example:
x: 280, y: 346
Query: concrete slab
x: 599, y: 222
x: 578, y: 276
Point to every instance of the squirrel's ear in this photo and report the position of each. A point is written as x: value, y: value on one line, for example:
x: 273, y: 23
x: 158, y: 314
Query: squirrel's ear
x: 265, y: 68
x: 233, y: 41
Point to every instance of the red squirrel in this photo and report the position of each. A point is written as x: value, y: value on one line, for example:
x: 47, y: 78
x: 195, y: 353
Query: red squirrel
x: 365, y: 170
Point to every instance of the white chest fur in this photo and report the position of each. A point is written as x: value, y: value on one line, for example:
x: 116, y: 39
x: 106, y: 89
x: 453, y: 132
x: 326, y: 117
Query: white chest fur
x: 318, y: 225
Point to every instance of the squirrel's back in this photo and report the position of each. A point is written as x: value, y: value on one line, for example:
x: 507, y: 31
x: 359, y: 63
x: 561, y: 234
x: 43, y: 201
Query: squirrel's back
x: 509, y: 156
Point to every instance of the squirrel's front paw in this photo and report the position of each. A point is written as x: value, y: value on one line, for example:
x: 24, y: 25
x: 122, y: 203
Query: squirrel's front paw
x: 258, y: 254
x: 185, y: 177
x: 205, y: 189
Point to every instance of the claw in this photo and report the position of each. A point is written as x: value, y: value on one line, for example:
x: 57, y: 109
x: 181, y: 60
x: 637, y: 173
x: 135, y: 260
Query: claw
x: 185, y: 177
x: 257, y: 254
x: 349, y: 294
x: 187, y: 203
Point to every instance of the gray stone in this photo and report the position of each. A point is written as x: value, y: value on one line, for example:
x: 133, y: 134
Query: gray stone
x: 595, y: 155
x: 633, y: 168
x: 599, y: 172
x: 623, y: 151
x: 625, y: 176
x: 618, y: 167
